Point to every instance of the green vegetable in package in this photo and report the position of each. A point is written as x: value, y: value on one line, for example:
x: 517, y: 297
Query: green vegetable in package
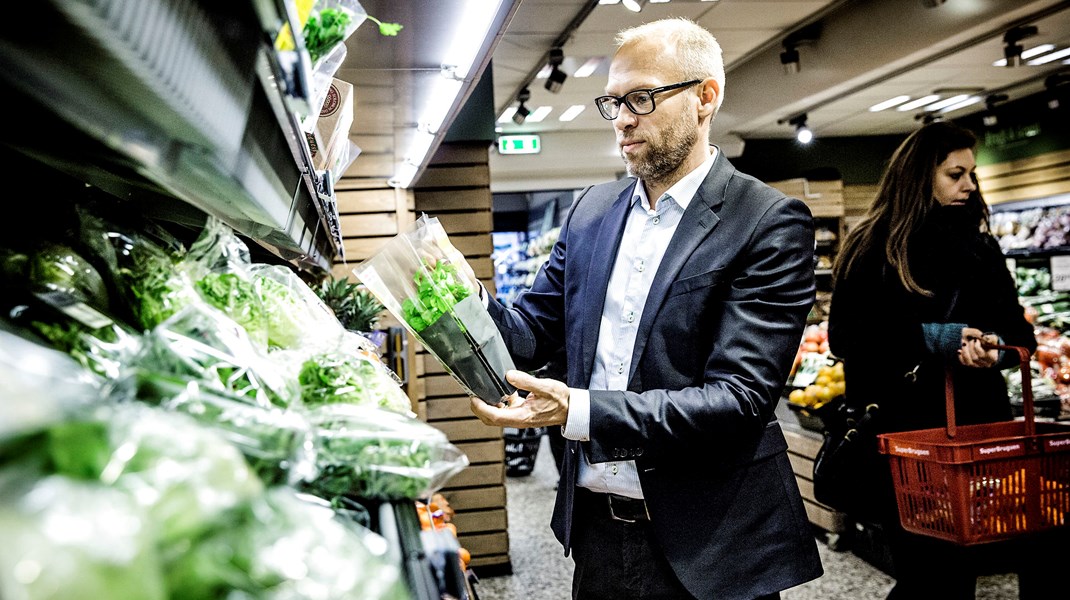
x: 237, y: 298
x: 60, y: 268
x: 336, y: 377
x: 437, y: 291
x: 324, y: 29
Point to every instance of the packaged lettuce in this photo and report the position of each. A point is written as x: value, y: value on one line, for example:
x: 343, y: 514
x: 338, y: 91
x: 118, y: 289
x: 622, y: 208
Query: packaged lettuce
x: 340, y: 377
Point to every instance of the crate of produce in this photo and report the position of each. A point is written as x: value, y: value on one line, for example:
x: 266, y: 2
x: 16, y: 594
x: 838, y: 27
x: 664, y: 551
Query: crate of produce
x: 973, y: 484
x: 521, y: 449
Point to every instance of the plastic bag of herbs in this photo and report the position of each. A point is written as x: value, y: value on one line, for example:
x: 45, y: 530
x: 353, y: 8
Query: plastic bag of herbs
x: 54, y: 292
x: 131, y: 486
x: 424, y: 282
x: 377, y: 454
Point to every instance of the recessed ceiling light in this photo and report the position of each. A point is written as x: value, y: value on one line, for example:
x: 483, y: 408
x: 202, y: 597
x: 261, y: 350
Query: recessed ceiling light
x: 1030, y: 53
x: 946, y: 102
x: 919, y: 102
x: 507, y: 115
x: 1047, y: 58
x: 544, y: 72
x: 658, y: 1
x: 632, y: 5
x: 967, y: 101
x: 890, y: 102
x: 539, y: 114
x: 572, y: 112
x: 609, y: 1
x: 587, y: 68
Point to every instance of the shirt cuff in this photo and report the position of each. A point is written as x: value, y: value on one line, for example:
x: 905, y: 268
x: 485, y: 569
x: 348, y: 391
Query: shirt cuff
x: 578, y: 425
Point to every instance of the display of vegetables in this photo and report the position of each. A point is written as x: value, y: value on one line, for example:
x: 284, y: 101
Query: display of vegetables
x: 324, y: 29
x: 237, y: 298
x: 335, y: 377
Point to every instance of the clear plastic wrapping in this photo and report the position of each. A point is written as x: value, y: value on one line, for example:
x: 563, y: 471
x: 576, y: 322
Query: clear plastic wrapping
x: 377, y: 454
x: 426, y: 284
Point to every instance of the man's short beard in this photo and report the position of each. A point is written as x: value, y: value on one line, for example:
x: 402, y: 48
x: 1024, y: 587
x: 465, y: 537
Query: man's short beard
x: 663, y: 161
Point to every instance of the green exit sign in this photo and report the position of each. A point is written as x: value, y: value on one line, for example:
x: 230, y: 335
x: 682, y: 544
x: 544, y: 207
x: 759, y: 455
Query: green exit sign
x: 519, y: 144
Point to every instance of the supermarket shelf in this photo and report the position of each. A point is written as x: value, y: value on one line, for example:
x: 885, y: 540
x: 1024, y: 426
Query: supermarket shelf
x: 171, y: 103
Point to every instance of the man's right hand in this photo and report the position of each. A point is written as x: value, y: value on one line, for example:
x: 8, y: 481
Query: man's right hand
x: 544, y: 404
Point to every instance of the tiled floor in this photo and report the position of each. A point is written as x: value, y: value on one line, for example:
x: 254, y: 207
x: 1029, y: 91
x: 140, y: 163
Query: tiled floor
x: 541, y: 572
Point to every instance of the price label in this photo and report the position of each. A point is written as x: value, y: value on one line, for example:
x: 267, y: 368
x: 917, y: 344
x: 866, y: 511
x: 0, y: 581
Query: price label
x: 1060, y: 273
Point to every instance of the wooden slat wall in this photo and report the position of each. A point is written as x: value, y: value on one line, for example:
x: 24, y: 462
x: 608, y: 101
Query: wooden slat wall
x: 1026, y: 179
x: 456, y: 189
x: 856, y: 202
x: 801, y: 452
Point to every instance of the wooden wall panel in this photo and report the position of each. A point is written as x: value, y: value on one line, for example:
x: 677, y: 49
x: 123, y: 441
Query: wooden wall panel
x: 1026, y: 179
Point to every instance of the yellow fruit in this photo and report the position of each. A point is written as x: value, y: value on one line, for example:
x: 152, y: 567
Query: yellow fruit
x: 810, y: 395
x: 823, y: 380
x: 797, y: 396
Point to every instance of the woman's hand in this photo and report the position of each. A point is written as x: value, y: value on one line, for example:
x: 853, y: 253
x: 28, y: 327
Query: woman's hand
x: 545, y: 403
x: 972, y: 353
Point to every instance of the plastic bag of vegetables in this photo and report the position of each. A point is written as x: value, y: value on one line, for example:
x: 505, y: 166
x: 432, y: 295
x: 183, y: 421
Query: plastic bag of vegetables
x: 68, y: 538
x: 422, y: 280
x: 39, y: 386
x: 295, y: 315
x: 201, y: 344
x: 276, y: 443
x: 373, y: 453
x: 284, y: 546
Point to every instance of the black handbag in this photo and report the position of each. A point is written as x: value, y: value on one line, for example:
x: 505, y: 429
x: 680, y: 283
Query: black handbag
x: 844, y: 464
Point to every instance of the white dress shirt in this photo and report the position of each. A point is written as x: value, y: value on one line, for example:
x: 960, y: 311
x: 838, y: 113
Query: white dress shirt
x: 647, y: 233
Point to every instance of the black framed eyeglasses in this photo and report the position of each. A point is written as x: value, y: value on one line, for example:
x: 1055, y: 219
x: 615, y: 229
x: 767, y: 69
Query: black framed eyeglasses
x: 640, y: 102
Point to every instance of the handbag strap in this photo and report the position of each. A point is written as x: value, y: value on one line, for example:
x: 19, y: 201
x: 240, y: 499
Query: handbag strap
x: 1027, y: 389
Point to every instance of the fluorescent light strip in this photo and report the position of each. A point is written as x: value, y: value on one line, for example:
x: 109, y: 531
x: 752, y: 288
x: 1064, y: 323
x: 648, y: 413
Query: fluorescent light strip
x: 609, y: 1
x: 544, y: 72
x: 919, y: 102
x: 969, y: 101
x: 946, y: 102
x: 588, y: 68
x: 538, y: 114
x: 632, y: 5
x: 572, y: 112
x: 507, y: 115
x: 1030, y: 53
x: 1047, y: 58
x: 890, y: 102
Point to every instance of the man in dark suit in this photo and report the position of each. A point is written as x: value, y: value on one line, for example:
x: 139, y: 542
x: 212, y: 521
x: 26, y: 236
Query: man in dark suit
x: 679, y: 295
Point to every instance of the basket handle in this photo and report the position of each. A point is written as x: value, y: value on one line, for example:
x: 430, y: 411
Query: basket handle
x: 1027, y: 389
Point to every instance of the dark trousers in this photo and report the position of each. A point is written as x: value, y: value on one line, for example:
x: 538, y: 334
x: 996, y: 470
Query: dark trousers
x: 620, y: 561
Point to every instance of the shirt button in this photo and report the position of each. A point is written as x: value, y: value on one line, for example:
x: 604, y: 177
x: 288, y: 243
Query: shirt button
x: 630, y: 317
x: 613, y: 469
x: 656, y: 220
x: 620, y: 369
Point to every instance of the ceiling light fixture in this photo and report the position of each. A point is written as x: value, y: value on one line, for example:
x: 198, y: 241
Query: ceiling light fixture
x: 632, y: 5
x: 802, y: 133
x: 967, y: 101
x: 557, y: 77
x: 572, y: 112
x: 522, y: 111
x: 1054, y: 84
x: 889, y: 103
x: 1012, y: 50
x: 1030, y: 53
x: 918, y: 103
x: 539, y: 114
x: 589, y: 67
x: 808, y: 35
x: 990, y: 119
x: 946, y: 102
x: 1047, y: 58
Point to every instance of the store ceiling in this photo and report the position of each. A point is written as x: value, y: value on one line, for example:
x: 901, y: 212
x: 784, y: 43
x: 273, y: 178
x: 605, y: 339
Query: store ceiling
x: 867, y: 51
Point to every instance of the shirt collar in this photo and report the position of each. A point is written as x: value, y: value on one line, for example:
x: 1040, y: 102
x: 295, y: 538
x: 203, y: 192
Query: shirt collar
x: 684, y: 190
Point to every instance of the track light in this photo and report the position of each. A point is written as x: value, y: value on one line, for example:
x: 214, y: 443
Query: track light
x: 1055, y: 85
x: 557, y: 76
x: 1012, y: 50
x: 522, y: 111
x: 802, y: 133
x: 807, y: 35
x: 789, y: 59
x: 990, y: 119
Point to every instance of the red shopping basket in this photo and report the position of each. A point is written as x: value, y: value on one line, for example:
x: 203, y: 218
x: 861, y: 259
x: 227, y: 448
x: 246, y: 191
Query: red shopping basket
x: 981, y: 483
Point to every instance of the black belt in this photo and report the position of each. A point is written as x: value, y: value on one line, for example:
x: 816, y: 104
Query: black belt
x: 620, y: 508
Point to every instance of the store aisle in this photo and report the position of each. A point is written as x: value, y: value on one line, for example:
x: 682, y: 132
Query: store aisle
x: 540, y: 572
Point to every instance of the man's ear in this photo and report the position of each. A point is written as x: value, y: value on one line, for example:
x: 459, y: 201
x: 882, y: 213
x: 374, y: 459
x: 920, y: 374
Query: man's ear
x: 708, y: 96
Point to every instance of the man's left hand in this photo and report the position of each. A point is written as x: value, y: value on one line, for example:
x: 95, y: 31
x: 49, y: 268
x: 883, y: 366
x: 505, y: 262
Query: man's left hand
x: 536, y: 403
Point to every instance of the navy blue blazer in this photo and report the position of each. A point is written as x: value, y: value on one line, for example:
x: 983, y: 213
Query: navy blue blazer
x: 717, y: 338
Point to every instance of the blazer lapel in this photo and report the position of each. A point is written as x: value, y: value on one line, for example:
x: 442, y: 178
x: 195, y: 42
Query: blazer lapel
x: 697, y: 223
x: 605, y: 247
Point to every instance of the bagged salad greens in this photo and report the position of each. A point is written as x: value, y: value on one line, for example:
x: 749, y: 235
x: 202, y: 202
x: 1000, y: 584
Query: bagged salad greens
x: 425, y: 283
x: 286, y: 546
x: 372, y: 453
x: 295, y: 315
x: 201, y: 344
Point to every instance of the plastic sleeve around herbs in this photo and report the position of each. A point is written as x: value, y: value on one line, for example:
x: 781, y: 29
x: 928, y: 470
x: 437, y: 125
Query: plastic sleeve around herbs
x: 422, y: 280
x: 376, y: 454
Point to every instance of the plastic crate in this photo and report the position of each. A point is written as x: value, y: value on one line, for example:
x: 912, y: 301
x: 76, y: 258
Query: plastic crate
x: 521, y: 449
x: 981, y: 483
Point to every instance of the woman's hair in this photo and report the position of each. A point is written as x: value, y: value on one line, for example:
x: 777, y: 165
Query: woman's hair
x: 904, y: 199
x: 697, y: 53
